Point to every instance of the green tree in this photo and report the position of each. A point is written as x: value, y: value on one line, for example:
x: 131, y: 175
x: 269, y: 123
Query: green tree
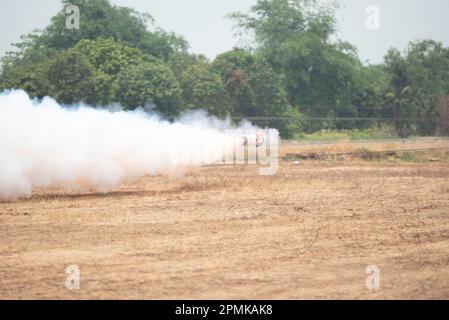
x: 270, y: 98
x: 71, y: 77
x: 294, y: 36
x: 109, y: 56
x: 232, y: 67
x: 179, y: 62
x: 256, y: 90
x: 203, y: 89
x: 150, y: 83
x: 100, y: 19
x: 369, y: 94
x: 418, y: 81
x: 27, y: 71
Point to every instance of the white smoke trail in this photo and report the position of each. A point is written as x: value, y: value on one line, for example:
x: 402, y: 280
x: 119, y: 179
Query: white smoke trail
x: 43, y: 144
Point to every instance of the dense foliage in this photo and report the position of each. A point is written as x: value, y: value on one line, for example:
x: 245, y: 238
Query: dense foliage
x: 295, y: 70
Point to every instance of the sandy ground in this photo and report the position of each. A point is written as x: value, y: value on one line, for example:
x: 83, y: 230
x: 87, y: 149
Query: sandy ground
x: 310, y: 231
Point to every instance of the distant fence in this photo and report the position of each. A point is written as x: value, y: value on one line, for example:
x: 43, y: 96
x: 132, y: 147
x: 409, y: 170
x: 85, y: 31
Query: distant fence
x: 400, y: 126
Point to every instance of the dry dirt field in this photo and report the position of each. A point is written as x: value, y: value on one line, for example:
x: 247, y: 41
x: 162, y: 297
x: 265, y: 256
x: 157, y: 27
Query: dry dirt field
x: 224, y: 232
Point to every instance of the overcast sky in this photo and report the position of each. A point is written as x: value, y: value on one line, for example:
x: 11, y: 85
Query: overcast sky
x: 203, y: 24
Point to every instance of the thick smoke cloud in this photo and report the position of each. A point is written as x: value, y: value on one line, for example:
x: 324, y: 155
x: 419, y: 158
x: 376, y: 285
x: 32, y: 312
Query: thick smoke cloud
x: 81, y: 148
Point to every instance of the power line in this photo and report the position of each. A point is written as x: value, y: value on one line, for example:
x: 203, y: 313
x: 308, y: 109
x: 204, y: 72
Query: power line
x: 318, y: 119
x: 308, y: 118
x: 318, y: 155
x: 363, y: 141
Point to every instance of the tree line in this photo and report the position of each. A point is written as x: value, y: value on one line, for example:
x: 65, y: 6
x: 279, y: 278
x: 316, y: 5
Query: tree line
x: 293, y: 70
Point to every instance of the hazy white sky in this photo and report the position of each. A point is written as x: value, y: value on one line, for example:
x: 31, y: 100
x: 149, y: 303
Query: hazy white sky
x: 203, y: 24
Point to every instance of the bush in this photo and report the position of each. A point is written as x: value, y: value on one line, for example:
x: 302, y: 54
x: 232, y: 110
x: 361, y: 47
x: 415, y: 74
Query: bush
x: 442, y: 119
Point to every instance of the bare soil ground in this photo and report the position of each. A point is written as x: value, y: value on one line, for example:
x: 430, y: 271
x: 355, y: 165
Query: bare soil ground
x: 227, y: 233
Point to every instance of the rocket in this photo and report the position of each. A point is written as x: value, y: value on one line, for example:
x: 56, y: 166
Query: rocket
x: 253, y: 139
